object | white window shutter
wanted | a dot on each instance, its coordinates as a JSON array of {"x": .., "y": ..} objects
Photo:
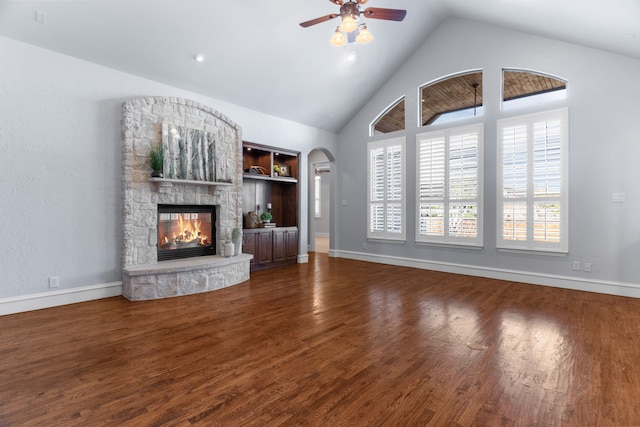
[
  {"x": 386, "y": 216},
  {"x": 533, "y": 172},
  {"x": 449, "y": 196}
]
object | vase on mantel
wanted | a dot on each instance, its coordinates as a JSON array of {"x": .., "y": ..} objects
[{"x": 228, "y": 249}]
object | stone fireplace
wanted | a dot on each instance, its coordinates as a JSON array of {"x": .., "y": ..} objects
[
  {"x": 186, "y": 231},
  {"x": 153, "y": 203}
]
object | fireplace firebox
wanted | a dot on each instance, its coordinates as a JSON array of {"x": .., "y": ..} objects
[{"x": 186, "y": 231}]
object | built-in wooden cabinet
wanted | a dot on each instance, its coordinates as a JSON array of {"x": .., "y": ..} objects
[
  {"x": 271, "y": 247},
  {"x": 270, "y": 183}
]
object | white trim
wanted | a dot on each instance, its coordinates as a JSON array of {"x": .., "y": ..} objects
[
  {"x": 56, "y": 298},
  {"x": 322, "y": 234},
  {"x": 303, "y": 259},
  {"x": 556, "y": 281}
]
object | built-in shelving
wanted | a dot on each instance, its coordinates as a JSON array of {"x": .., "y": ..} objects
[
  {"x": 267, "y": 187},
  {"x": 262, "y": 162}
]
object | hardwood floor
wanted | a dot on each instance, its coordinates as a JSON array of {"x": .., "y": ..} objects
[{"x": 330, "y": 343}]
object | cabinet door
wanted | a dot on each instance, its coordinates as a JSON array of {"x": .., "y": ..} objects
[
  {"x": 250, "y": 246},
  {"x": 292, "y": 246},
  {"x": 279, "y": 245},
  {"x": 264, "y": 248}
]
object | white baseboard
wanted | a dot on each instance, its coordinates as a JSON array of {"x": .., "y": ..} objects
[
  {"x": 303, "y": 259},
  {"x": 56, "y": 298},
  {"x": 580, "y": 284}
]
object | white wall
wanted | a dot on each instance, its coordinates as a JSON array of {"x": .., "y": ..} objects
[
  {"x": 603, "y": 90},
  {"x": 60, "y": 166}
]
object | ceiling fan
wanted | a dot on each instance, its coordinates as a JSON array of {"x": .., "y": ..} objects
[{"x": 350, "y": 12}]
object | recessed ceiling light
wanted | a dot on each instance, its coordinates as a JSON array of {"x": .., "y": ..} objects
[{"x": 198, "y": 57}]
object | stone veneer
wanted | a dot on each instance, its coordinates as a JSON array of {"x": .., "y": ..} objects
[{"x": 143, "y": 276}]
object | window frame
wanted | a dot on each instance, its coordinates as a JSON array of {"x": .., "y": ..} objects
[
  {"x": 379, "y": 117},
  {"x": 446, "y": 238},
  {"x": 385, "y": 234},
  {"x": 530, "y": 244},
  {"x": 478, "y": 109},
  {"x": 532, "y": 100}
]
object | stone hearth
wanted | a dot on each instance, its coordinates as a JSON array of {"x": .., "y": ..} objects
[{"x": 143, "y": 276}]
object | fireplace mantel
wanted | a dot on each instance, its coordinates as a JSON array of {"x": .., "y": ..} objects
[
  {"x": 143, "y": 121},
  {"x": 168, "y": 181}
]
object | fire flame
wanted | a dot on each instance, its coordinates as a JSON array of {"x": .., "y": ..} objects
[{"x": 184, "y": 233}]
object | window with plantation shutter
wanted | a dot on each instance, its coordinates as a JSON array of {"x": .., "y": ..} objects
[
  {"x": 449, "y": 202},
  {"x": 386, "y": 189},
  {"x": 316, "y": 196},
  {"x": 532, "y": 179}
]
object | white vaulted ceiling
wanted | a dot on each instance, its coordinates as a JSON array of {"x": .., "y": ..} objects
[{"x": 258, "y": 57}]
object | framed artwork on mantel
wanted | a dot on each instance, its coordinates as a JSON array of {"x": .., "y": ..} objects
[{"x": 191, "y": 154}]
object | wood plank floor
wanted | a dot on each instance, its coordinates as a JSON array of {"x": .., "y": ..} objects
[{"x": 331, "y": 343}]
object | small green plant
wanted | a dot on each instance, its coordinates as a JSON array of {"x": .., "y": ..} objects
[
  {"x": 276, "y": 168},
  {"x": 156, "y": 158},
  {"x": 266, "y": 216},
  {"x": 236, "y": 233}
]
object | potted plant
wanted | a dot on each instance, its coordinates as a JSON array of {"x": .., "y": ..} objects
[
  {"x": 276, "y": 170},
  {"x": 266, "y": 216},
  {"x": 156, "y": 160}
]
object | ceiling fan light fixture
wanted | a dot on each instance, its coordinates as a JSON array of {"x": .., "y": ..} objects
[
  {"x": 364, "y": 36},
  {"x": 348, "y": 24},
  {"x": 338, "y": 38}
]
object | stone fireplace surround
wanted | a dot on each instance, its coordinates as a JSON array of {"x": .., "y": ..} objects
[{"x": 143, "y": 276}]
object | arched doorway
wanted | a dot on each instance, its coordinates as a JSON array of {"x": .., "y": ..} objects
[{"x": 321, "y": 183}]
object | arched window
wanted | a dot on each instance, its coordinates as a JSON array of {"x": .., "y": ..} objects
[
  {"x": 520, "y": 88},
  {"x": 391, "y": 120},
  {"x": 451, "y": 98}
]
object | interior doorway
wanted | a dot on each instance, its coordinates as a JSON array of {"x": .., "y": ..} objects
[{"x": 320, "y": 178}]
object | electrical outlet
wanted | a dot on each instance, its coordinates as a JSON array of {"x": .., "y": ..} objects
[
  {"x": 576, "y": 265},
  {"x": 587, "y": 267},
  {"x": 54, "y": 281},
  {"x": 618, "y": 198},
  {"x": 364, "y": 245}
]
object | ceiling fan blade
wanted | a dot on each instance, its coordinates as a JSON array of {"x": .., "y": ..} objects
[
  {"x": 338, "y": 2},
  {"x": 382, "y": 13},
  {"x": 318, "y": 20}
]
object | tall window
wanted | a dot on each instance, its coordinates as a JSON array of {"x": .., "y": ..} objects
[
  {"x": 532, "y": 179},
  {"x": 449, "y": 167},
  {"x": 386, "y": 219},
  {"x": 316, "y": 196}
]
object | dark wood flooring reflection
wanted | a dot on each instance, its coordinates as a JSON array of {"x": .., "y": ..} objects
[{"x": 330, "y": 343}]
